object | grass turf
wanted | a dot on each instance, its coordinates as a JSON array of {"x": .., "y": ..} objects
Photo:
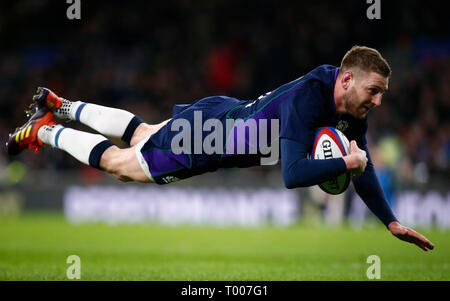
[{"x": 35, "y": 247}]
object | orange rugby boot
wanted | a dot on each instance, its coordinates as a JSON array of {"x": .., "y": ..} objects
[
  {"x": 46, "y": 98},
  {"x": 26, "y": 137}
]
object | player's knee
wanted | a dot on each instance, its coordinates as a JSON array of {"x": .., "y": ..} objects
[
  {"x": 113, "y": 161},
  {"x": 123, "y": 165},
  {"x": 143, "y": 131},
  {"x": 121, "y": 171}
]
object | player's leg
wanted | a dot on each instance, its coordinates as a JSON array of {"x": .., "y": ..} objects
[
  {"x": 145, "y": 130},
  {"x": 111, "y": 122},
  {"x": 95, "y": 150},
  {"x": 123, "y": 165},
  {"x": 91, "y": 149}
]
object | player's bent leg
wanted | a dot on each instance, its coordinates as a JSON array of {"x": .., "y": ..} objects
[
  {"x": 111, "y": 122},
  {"x": 145, "y": 130},
  {"x": 107, "y": 121},
  {"x": 123, "y": 165},
  {"x": 95, "y": 150},
  {"x": 90, "y": 149}
]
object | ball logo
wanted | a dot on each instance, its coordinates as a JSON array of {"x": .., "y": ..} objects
[{"x": 327, "y": 153}]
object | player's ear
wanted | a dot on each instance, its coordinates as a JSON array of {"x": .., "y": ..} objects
[{"x": 346, "y": 79}]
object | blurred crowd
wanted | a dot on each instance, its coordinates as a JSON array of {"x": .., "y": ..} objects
[{"x": 149, "y": 56}]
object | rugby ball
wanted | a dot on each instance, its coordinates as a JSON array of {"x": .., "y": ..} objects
[{"x": 331, "y": 143}]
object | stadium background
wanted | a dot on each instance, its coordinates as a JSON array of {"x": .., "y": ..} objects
[{"x": 146, "y": 57}]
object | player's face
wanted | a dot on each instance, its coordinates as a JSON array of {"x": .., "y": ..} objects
[{"x": 365, "y": 93}]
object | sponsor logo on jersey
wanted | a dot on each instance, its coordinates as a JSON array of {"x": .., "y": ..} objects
[{"x": 342, "y": 125}]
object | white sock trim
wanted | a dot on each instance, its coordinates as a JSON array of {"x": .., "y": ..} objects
[
  {"x": 48, "y": 133},
  {"x": 75, "y": 110}
]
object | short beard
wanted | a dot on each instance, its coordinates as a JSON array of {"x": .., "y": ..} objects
[{"x": 350, "y": 103}]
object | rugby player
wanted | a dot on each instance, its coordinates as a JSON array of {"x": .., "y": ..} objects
[{"x": 333, "y": 96}]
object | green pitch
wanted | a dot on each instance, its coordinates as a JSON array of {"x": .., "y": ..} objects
[{"x": 36, "y": 246}]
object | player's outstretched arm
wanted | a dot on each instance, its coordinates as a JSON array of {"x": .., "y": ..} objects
[
  {"x": 370, "y": 191},
  {"x": 409, "y": 235}
]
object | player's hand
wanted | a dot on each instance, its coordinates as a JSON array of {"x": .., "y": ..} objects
[
  {"x": 409, "y": 235},
  {"x": 356, "y": 161}
]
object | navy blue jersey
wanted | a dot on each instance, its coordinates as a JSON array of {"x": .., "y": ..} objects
[{"x": 300, "y": 106}]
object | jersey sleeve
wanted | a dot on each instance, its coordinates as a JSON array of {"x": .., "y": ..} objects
[
  {"x": 367, "y": 186},
  {"x": 301, "y": 114},
  {"x": 369, "y": 189},
  {"x": 299, "y": 171}
]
